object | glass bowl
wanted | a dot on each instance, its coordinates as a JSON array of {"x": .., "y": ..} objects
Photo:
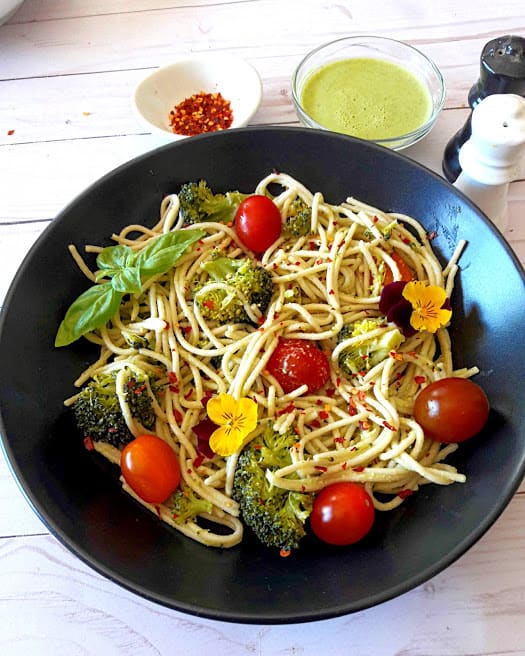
[{"x": 379, "y": 98}]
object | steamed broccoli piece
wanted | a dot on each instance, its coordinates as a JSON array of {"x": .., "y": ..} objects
[
  {"x": 276, "y": 516},
  {"x": 244, "y": 279},
  {"x": 370, "y": 351},
  {"x": 199, "y": 203},
  {"x": 97, "y": 409},
  {"x": 299, "y": 220},
  {"x": 185, "y": 505}
]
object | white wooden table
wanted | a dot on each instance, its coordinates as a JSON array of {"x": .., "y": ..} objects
[{"x": 67, "y": 70}]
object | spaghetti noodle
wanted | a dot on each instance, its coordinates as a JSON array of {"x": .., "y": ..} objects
[{"x": 356, "y": 428}]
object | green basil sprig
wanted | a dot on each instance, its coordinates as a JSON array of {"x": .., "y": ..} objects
[{"x": 126, "y": 270}]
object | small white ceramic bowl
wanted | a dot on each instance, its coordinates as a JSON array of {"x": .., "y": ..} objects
[
  {"x": 235, "y": 79},
  {"x": 8, "y": 8}
]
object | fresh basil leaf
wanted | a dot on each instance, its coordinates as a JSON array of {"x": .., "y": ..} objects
[
  {"x": 127, "y": 280},
  {"x": 92, "y": 309},
  {"x": 115, "y": 257},
  {"x": 164, "y": 251}
]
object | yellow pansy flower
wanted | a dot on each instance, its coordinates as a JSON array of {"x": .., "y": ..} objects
[
  {"x": 236, "y": 420},
  {"x": 427, "y": 304}
]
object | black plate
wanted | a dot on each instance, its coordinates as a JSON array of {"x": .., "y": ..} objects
[{"x": 79, "y": 498}]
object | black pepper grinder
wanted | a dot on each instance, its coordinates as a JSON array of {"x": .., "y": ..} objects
[{"x": 502, "y": 70}]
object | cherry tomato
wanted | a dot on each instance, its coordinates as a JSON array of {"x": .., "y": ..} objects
[
  {"x": 297, "y": 362},
  {"x": 451, "y": 409},
  {"x": 404, "y": 270},
  {"x": 342, "y": 513},
  {"x": 258, "y": 222},
  {"x": 151, "y": 468}
]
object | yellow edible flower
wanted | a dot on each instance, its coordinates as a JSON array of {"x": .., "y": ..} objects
[
  {"x": 236, "y": 420},
  {"x": 427, "y": 302}
]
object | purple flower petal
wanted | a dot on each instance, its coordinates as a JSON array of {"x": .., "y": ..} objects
[
  {"x": 400, "y": 314},
  {"x": 203, "y": 430},
  {"x": 390, "y": 295}
]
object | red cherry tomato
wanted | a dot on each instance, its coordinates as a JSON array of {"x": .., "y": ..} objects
[
  {"x": 258, "y": 223},
  {"x": 451, "y": 409},
  {"x": 151, "y": 468},
  {"x": 343, "y": 513},
  {"x": 404, "y": 270},
  {"x": 297, "y": 362}
]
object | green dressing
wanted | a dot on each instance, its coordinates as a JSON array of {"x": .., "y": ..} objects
[{"x": 368, "y": 98}]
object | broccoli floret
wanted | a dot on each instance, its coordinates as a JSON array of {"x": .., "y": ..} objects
[
  {"x": 276, "y": 516},
  {"x": 246, "y": 282},
  {"x": 199, "y": 203},
  {"x": 365, "y": 354},
  {"x": 185, "y": 505},
  {"x": 97, "y": 409},
  {"x": 299, "y": 219},
  {"x": 135, "y": 341}
]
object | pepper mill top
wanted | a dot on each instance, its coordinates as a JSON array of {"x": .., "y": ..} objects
[{"x": 502, "y": 70}]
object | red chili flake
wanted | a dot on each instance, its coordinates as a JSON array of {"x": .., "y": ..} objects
[
  {"x": 172, "y": 377},
  {"x": 358, "y": 469},
  {"x": 210, "y": 304},
  {"x": 330, "y": 393},
  {"x": 323, "y": 415},
  {"x": 178, "y": 416},
  {"x": 303, "y": 488},
  {"x": 261, "y": 320},
  {"x": 188, "y": 394},
  {"x": 284, "y": 553},
  {"x": 186, "y": 330},
  {"x": 257, "y": 446},
  {"x": 364, "y": 425},
  {"x": 412, "y": 354},
  {"x": 432, "y": 235},
  {"x": 361, "y": 396},
  {"x": 403, "y": 494},
  {"x": 10, "y": 132},
  {"x": 131, "y": 383},
  {"x": 315, "y": 424},
  {"x": 364, "y": 356},
  {"x": 312, "y": 245},
  {"x": 339, "y": 440},
  {"x": 319, "y": 261},
  {"x": 321, "y": 468},
  {"x": 331, "y": 292},
  {"x": 166, "y": 325},
  {"x": 319, "y": 402},
  {"x": 140, "y": 389},
  {"x": 289, "y": 408},
  {"x": 352, "y": 408},
  {"x": 201, "y": 112},
  {"x": 420, "y": 379},
  {"x": 375, "y": 219},
  {"x": 198, "y": 461},
  {"x": 88, "y": 443},
  {"x": 338, "y": 381},
  {"x": 406, "y": 240},
  {"x": 389, "y": 426},
  {"x": 174, "y": 389}
]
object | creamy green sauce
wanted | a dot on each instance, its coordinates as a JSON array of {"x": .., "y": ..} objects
[{"x": 368, "y": 98}]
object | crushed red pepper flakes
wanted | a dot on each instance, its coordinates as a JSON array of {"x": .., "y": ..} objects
[
  {"x": 284, "y": 553},
  {"x": 419, "y": 379},
  {"x": 88, "y": 443},
  {"x": 403, "y": 494},
  {"x": 201, "y": 112},
  {"x": 10, "y": 133},
  {"x": 389, "y": 426}
]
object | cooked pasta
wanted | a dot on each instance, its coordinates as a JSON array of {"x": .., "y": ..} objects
[{"x": 356, "y": 428}]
